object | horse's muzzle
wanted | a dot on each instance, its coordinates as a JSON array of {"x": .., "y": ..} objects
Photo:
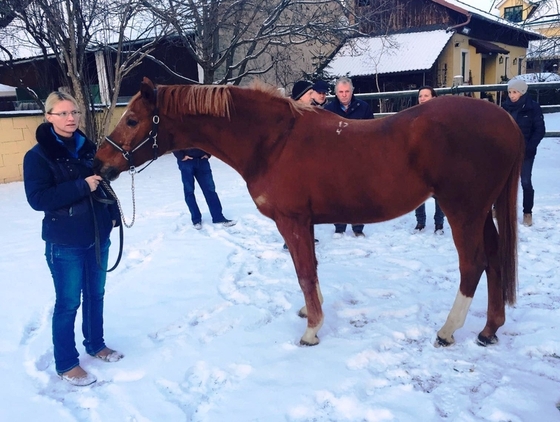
[{"x": 107, "y": 172}]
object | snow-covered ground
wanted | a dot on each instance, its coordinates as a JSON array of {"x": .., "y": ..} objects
[{"x": 208, "y": 319}]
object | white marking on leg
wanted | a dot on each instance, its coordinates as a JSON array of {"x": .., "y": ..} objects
[
  {"x": 310, "y": 336},
  {"x": 303, "y": 311},
  {"x": 456, "y": 317}
]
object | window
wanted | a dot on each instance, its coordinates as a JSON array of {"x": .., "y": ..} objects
[{"x": 513, "y": 14}]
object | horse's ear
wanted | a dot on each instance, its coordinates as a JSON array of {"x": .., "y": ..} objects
[{"x": 147, "y": 90}]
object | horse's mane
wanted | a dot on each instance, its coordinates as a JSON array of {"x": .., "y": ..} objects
[{"x": 213, "y": 100}]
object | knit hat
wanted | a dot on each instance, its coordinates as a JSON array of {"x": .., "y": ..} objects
[
  {"x": 518, "y": 85},
  {"x": 300, "y": 88},
  {"x": 321, "y": 86}
]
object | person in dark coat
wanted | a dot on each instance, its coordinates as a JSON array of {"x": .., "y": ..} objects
[
  {"x": 347, "y": 105},
  {"x": 59, "y": 180},
  {"x": 194, "y": 164},
  {"x": 302, "y": 92},
  {"x": 319, "y": 95},
  {"x": 529, "y": 117},
  {"x": 426, "y": 93}
]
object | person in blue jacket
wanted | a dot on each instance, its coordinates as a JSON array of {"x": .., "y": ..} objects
[
  {"x": 347, "y": 105},
  {"x": 59, "y": 180},
  {"x": 194, "y": 164},
  {"x": 529, "y": 117}
]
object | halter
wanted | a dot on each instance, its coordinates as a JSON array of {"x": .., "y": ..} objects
[{"x": 152, "y": 136}]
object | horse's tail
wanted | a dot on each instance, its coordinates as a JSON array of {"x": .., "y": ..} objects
[{"x": 506, "y": 214}]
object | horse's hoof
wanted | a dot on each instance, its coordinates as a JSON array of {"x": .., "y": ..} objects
[
  {"x": 486, "y": 341},
  {"x": 306, "y": 343},
  {"x": 441, "y": 342}
]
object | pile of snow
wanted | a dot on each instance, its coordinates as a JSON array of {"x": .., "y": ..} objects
[{"x": 538, "y": 77}]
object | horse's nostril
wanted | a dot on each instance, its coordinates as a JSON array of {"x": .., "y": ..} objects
[{"x": 112, "y": 174}]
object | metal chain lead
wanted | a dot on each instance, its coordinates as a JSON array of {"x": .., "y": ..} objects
[{"x": 109, "y": 189}]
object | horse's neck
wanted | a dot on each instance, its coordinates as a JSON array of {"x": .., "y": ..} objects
[{"x": 248, "y": 141}]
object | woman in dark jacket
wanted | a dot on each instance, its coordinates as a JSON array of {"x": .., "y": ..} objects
[
  {"x": 59, "y": 181},
  {"x": 425, "y": 94},
  {"x": 529, "y": 117}
]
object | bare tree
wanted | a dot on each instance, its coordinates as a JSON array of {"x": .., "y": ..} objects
[
  {"x": 237, "y": 39},
  {"x": 72, "y": 30}
]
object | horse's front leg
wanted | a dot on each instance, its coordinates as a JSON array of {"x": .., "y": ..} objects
[{"x": 299, "y": 238}]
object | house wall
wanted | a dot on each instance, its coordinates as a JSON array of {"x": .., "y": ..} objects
[
  {"x": 549, "y": 27},
  {"x": 18, "y": 137},
  {"x": 494, "y": 71},
  {"x": 527, "y": 7}
]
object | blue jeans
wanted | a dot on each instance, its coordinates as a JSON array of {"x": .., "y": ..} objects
[
  {"x": 421, "y": 214},
  {"x": 75, "y": 272},
  {"x": 527, "y": 185},
  {"x": 341, "y": 228},
  {"x": 199, "y": 169}
]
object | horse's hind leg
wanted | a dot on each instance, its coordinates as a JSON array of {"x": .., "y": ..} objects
[
  {"x": 303, "y": 311},
  {"x": 299, "y": 238},
  {"x": 472, "y": 261},
  {"x": 496, "y": 305}
]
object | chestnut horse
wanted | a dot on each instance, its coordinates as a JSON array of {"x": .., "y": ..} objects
[{"x": 306, "y": 166}]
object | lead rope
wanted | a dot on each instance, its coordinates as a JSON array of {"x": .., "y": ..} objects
[{"x": 110, "y": 190}]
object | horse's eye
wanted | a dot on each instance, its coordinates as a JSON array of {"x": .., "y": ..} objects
[{"x": 131, "y": 122}]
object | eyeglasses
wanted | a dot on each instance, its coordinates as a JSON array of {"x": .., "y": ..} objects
[{"x": 65, "y": 114}]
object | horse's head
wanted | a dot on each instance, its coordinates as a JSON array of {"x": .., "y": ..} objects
[{"x": 134, "y": 139}]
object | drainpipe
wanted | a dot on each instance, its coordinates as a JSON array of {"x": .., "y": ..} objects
[{"x": 451, "y": 28}]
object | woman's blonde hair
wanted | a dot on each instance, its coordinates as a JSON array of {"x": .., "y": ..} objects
[{"x": 56, "y": 97}]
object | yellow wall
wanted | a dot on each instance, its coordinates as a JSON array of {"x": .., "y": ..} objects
[
  {"x": 549, "y": 28},
  {"x": 527, "y": 7},
  {"x": 17, "y": 136}
]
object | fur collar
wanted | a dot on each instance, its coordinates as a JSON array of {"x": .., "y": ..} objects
[{"x": 54, "y": 149}]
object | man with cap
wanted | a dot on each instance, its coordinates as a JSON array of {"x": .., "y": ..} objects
[
  {"x": 320, "y": 91},
  {"x": 302, "y": 92},
  {"x": 529, "y": 117}
]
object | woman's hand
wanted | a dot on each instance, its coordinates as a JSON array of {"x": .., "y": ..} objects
[{"x": 93, "y": 181}]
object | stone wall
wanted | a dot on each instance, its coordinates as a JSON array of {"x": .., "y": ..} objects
[{"x": 17, "y": 136}]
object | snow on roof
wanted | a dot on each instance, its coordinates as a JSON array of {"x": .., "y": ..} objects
[
  {"x": 546, "y": 49},
  {"x": 545, "y": 13},
  {"x": 7, "y": 91},
  {"x": 538, "y": 77},
  {"x": 389, "y": 54}
]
